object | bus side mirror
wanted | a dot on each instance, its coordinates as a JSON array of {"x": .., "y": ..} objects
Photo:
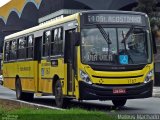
[
  {"x": 76, "y": 38},
  {"x": 154, "y": 44}
]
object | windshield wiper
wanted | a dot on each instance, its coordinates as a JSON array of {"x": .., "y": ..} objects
[
  {"x": 127, "y": 35},
  {"x": 105, "y": 36},
  {"x": 124, "y": 41}
]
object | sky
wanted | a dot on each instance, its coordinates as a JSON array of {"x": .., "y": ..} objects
[{"x": 3, "y": 2}]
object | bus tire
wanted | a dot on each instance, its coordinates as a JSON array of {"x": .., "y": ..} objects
[
  {"x": 119, "y": 103},
  {"x": 20, "y": 95},
  {"x": 18, "y": 87},
  {"x": 61, "y": 102}
]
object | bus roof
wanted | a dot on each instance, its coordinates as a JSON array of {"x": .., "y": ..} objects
[
  {"x": 66, "y": 19},
  {"x": 42, "y": 26}
]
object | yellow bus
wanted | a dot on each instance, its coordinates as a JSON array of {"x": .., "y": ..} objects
[{"x": 90, "y": 55}]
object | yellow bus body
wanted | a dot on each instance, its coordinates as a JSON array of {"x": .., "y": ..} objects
[{"x": 30, "y": 71}]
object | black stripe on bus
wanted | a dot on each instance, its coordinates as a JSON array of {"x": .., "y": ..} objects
[{"x": 117, "y": 77}]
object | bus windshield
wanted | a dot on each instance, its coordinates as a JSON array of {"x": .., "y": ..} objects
[{"x": 120, "y": 46}]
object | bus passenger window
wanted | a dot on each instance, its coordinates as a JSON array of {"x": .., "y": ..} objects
[
  {"x": 46, "y": 43},
  {"x": 6, "y": 56},
  {"x": 22, "y": 48},
  {"x": 57, "y": 42},
  {"x": 54, "y": 45},
  {"x": 30, "y": 46},
  {"x": 13, "y": 50},
  {"x": 60, "y": 44}
]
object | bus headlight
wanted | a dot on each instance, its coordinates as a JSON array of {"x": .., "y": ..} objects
[
  {"x": 149, "y": 76},
  {"x": 84, "y": 76}
]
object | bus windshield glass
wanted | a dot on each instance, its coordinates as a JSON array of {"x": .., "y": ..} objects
[{"x": 115, "y": 46}]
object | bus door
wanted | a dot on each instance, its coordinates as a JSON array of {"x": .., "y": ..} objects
[
  {"x": 37, "y": 57},
  {"x": 68, "y": 59}
]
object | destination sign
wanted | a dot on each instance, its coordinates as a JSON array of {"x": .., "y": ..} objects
[{"x": 113, "y": 18}]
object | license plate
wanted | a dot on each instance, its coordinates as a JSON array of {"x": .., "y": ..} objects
[{"x": 119, "y": 91}]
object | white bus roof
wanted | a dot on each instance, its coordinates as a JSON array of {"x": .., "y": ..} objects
[{"x": 42, "y": 26}]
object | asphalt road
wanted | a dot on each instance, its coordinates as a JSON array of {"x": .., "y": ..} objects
[{"x": 137, "y": 106}]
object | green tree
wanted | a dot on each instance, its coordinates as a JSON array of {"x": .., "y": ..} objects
[
  {"x": 149, "y": 7},
  {"x": 146, "y": 6}
]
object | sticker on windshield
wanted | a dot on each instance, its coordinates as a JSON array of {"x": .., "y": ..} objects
[{"x": 123, "y": 59}]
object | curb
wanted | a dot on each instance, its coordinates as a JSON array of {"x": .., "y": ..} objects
[{"x": 19, "y": 103}]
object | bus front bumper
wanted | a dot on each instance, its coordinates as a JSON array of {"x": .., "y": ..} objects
[{"x": 103, "y": 92}]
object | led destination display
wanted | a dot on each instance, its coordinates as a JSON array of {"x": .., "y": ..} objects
[{"x": 113, "y": 18}]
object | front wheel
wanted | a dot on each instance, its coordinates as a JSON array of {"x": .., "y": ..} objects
[
  {"x": 58, "y": 94},
  {"x": 119, "y": 103}
]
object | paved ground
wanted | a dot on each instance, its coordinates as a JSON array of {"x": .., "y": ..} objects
[
  {"x": 138, "y": 106},
  {"x": 5, "y": 93}
]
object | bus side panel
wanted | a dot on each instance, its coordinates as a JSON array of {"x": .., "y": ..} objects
[
  {"x": 9, "y": 73},
  {"x": 47, "y": 74},
  {"x": 26, "y": 71},
  {"x": 45, "y": 83},
  {"x": 9, "y": 83},
  {"x": 28, "y": 75},
  {"x": 36, "y": 75}
]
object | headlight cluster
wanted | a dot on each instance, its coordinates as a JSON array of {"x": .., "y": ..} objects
[
  {"x": 149, "y": 76},
  {"x": 84, "y": 76}
]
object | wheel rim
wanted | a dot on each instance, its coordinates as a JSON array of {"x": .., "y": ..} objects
[{"x": 58, "y": 94}]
